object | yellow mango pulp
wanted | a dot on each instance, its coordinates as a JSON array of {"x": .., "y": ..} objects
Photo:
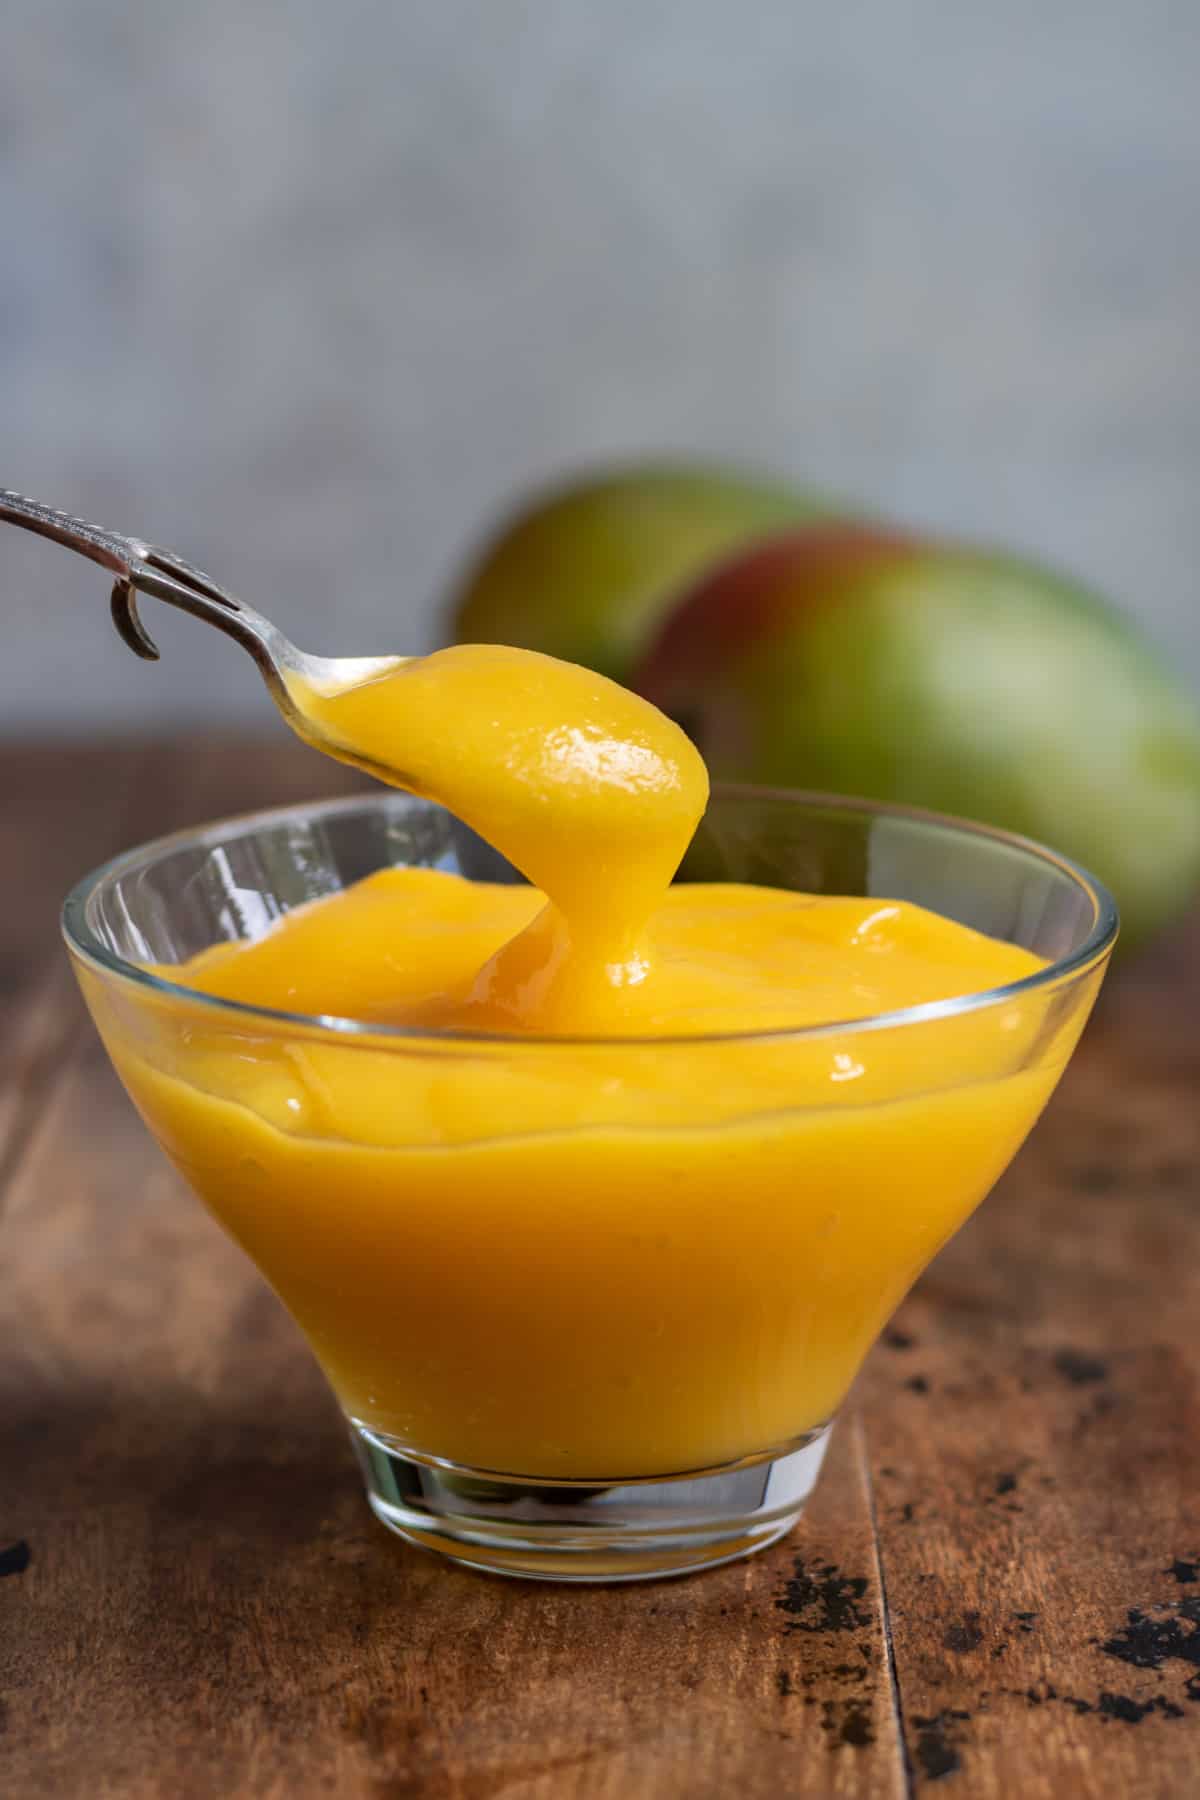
[
  {"x": 580, "y": 1221},
  {"x": 586, "y": 788}
]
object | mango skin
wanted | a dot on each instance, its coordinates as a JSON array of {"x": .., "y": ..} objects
[
  {"x": 586, "y": 571},
  {"x": 864, "y": 661}
]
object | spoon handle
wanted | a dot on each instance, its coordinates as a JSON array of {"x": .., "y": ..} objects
[
  {"x": 109, "y": 548},
  {"x": 140, "y": 567}
]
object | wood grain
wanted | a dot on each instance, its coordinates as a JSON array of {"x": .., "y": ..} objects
[
  {"x": 194, "y": 1600},
  {"x": 60, "y": 811},
  {"x": 1034, "y": 1424}
]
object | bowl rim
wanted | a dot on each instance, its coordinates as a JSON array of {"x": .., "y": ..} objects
[{"x": 83, "y": 944}]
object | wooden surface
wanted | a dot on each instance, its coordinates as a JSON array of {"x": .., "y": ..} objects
[{"x": 996, "y": 1592}]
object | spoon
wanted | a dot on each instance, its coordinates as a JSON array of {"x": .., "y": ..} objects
[{"x": 142, "y": 568}]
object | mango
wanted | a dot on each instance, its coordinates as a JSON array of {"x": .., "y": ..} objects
[
  {"x": 587, "y": 571},
  {"x": 860, "y": 660}
]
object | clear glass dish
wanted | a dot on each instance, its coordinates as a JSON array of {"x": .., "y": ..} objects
[{"x": 589, "y": 1306}]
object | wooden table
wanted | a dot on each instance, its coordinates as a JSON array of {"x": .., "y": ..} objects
[{"x": 996, "y": 1592}]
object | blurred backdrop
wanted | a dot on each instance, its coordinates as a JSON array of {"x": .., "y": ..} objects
[{"x": 309, "y": 291}]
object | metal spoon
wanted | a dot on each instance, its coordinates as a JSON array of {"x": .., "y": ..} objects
[{"x": 142, "y": 568}]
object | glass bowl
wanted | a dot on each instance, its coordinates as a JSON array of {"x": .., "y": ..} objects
[{"x": 589, "y": 1306}]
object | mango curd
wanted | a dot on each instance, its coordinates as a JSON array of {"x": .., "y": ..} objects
[{"x": 534, "y": 1236}]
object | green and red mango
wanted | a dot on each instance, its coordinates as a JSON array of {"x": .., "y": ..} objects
[{"x": 859, "y": 660}]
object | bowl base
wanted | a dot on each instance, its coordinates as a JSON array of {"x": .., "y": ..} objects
[{"x": 575, "y": 1531}]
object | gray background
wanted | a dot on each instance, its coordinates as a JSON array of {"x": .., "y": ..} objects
[{"x": 310, "y": 290}]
